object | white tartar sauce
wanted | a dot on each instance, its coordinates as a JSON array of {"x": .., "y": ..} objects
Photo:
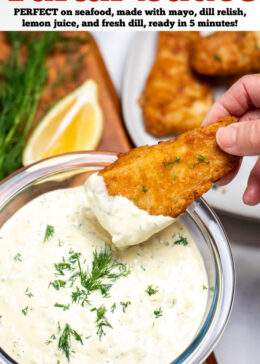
[
  {"x": 127, "y": 224},
  {"x": 67, "y": 293}
]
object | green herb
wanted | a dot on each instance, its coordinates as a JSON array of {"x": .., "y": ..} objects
[
  {"x": 181, "y": 241},
  {"x": 169, "y": 165},
  {"x": 25, "y": 310},
  {"x": 150, "y": 290},
  {"x": 28, "y": 293},
  {"x": 113, "y": 307},
  {"x": 158, "y": 313},
  {"x": 204, "y": 287},
  {"x": 175, "y": 176},
  {"x": 61, "y": 267},
  {"x": 143, "y": 268},
  {"x": 217, "y": 57},
  {"x": 189, "y": 166},
  {"x": 65, "y": 307},
  {"x": 103, "y": 267},
  {"x": 17, "y": 258},
  {"x": 22, "y": 83},
  {"x": 145, "y": 189},
  {"x": 49, "y": 232},
  {"x": 80, "y": 296},
  {"x": 57, "y": 284},
  {"x": 51, "y": 339},
  {"x": 65, "y": 340},
  {"x": 125, "y": 305},
  {"x": 202, "y": 159},
  {"x": 101, "y": 321},
  {"x": 214, "y": 186}
]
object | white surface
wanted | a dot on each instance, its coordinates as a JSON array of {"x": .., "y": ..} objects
[
  {"x": 240, "y": 343},
  {"x": 139, "y": 62}
]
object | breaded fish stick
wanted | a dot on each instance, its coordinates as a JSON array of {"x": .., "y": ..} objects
[
  {"x": 174, "y": 99},
  {"x": 165, "y": 179},
  {"x": 227, "y": 54}
]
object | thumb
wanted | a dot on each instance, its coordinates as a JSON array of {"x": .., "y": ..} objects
[{"x": 240, "y": 139}]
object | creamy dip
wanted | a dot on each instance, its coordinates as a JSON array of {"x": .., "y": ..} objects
[
  {"x": 145, "y": 309},
  {"x": 126, "y": 223}
]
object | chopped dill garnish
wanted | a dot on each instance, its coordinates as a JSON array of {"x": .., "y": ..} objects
[
  {"x": 28, "y": 293},
  {"x": 80, "y": 296},
  {"x": 51, "y": 339},
  {"x": 103, "y": 267},
  {"x": 101, "y": 321},
  {"x": 204, "y": 287},
  {"x": 214, "y": 186},
  {"x": 25, "y": 310},
  {"x": 158, "y": 313},
  {"x": 175, "y": 176},
  {"x": 181, "y": 241},
  {"x": 65, "y": 340},
  {"x": 125, "y": 305},
  {"x": 17, "y": 258},
  {"x": 57, "y": 284},
  {"x": 49, "y": 232},
  {"x": 143, "y": 268},
  {"x": 64, "y": 307},
  {"x": 169, "y": 165},
  {"x": 217, "y": 57},
  {"x": 113, "y": 307},
  {"x": 150, "y": 290},
  {"x": 202, "y": 159},
  {"x": 145, "y": 189}
]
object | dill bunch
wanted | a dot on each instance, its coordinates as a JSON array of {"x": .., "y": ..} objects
[{"x": 22, "y": 83}]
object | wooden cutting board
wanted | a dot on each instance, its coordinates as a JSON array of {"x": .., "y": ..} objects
[{"x": 115, "y": 138}]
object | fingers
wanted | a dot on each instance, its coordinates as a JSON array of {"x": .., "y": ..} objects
[
  {"x": 240, "y": 139},
  {"x": 251, "y": 115},
  {"x": 242, "y": 96},
  {"x": 252, "y": 193}
]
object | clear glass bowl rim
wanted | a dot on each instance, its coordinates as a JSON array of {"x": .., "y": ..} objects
[{"x": 217, "y": 319}]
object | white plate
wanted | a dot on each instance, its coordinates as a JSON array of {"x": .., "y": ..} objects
[{"x": 139, "y": 62}]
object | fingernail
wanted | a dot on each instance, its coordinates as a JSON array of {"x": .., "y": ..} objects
[{"x": 226, "y": 137}]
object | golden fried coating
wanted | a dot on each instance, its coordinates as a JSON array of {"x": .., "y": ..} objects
[
  {"x": 227, "y": 53},
  {"x": 174, "y": 99},
  {"x": 165, "y": 179}
]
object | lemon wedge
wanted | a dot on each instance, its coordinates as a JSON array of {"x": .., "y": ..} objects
[{"x": 74, "y": 124}]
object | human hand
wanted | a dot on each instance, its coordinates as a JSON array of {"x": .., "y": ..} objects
[{"x": 243, "y": 139}]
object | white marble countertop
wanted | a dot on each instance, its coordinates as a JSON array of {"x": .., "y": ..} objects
[{"x": 240, "y": 343}]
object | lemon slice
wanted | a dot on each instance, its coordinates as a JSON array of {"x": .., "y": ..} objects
[{"x": 73, "y": 124}]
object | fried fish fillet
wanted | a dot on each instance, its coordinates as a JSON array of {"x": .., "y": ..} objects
[
  {"x": 174, "y": 99},
  {"x": 227, "y": 53},
  {"x": 165, "y": 179}
]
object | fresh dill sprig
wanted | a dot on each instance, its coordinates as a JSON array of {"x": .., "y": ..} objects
[
  {"x": 65, "y": 340},
  {"x": 181, "y": 241},
  {"x": 158, "y": 313},
  {"x": 145, "y": 189},
  {"x": 51, "y": 339},
  {"x": 17, "y": 258},
  {"x": 57, "y": 284},
  {"x": 151, "y": 291},
  {"x": 101, "y": 321},
  {"x": 64, "y": 307},
  {"x": 22, "y": 83},
  {"x": 28, "y": 293},
  {"x": 80, "y": 296},
  {"x": 125, "y": 305},
  {"x": 25, "y": 311},
  {"x": 202, "y": 159},
  {"x": 49, "y": 232},
  {"x": 113, "y": 307}
]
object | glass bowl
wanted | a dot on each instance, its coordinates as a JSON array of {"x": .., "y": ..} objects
[{"x": 73, "y": 169}]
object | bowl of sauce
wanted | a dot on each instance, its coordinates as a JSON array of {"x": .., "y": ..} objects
[{"x": 68, "y": 294}]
